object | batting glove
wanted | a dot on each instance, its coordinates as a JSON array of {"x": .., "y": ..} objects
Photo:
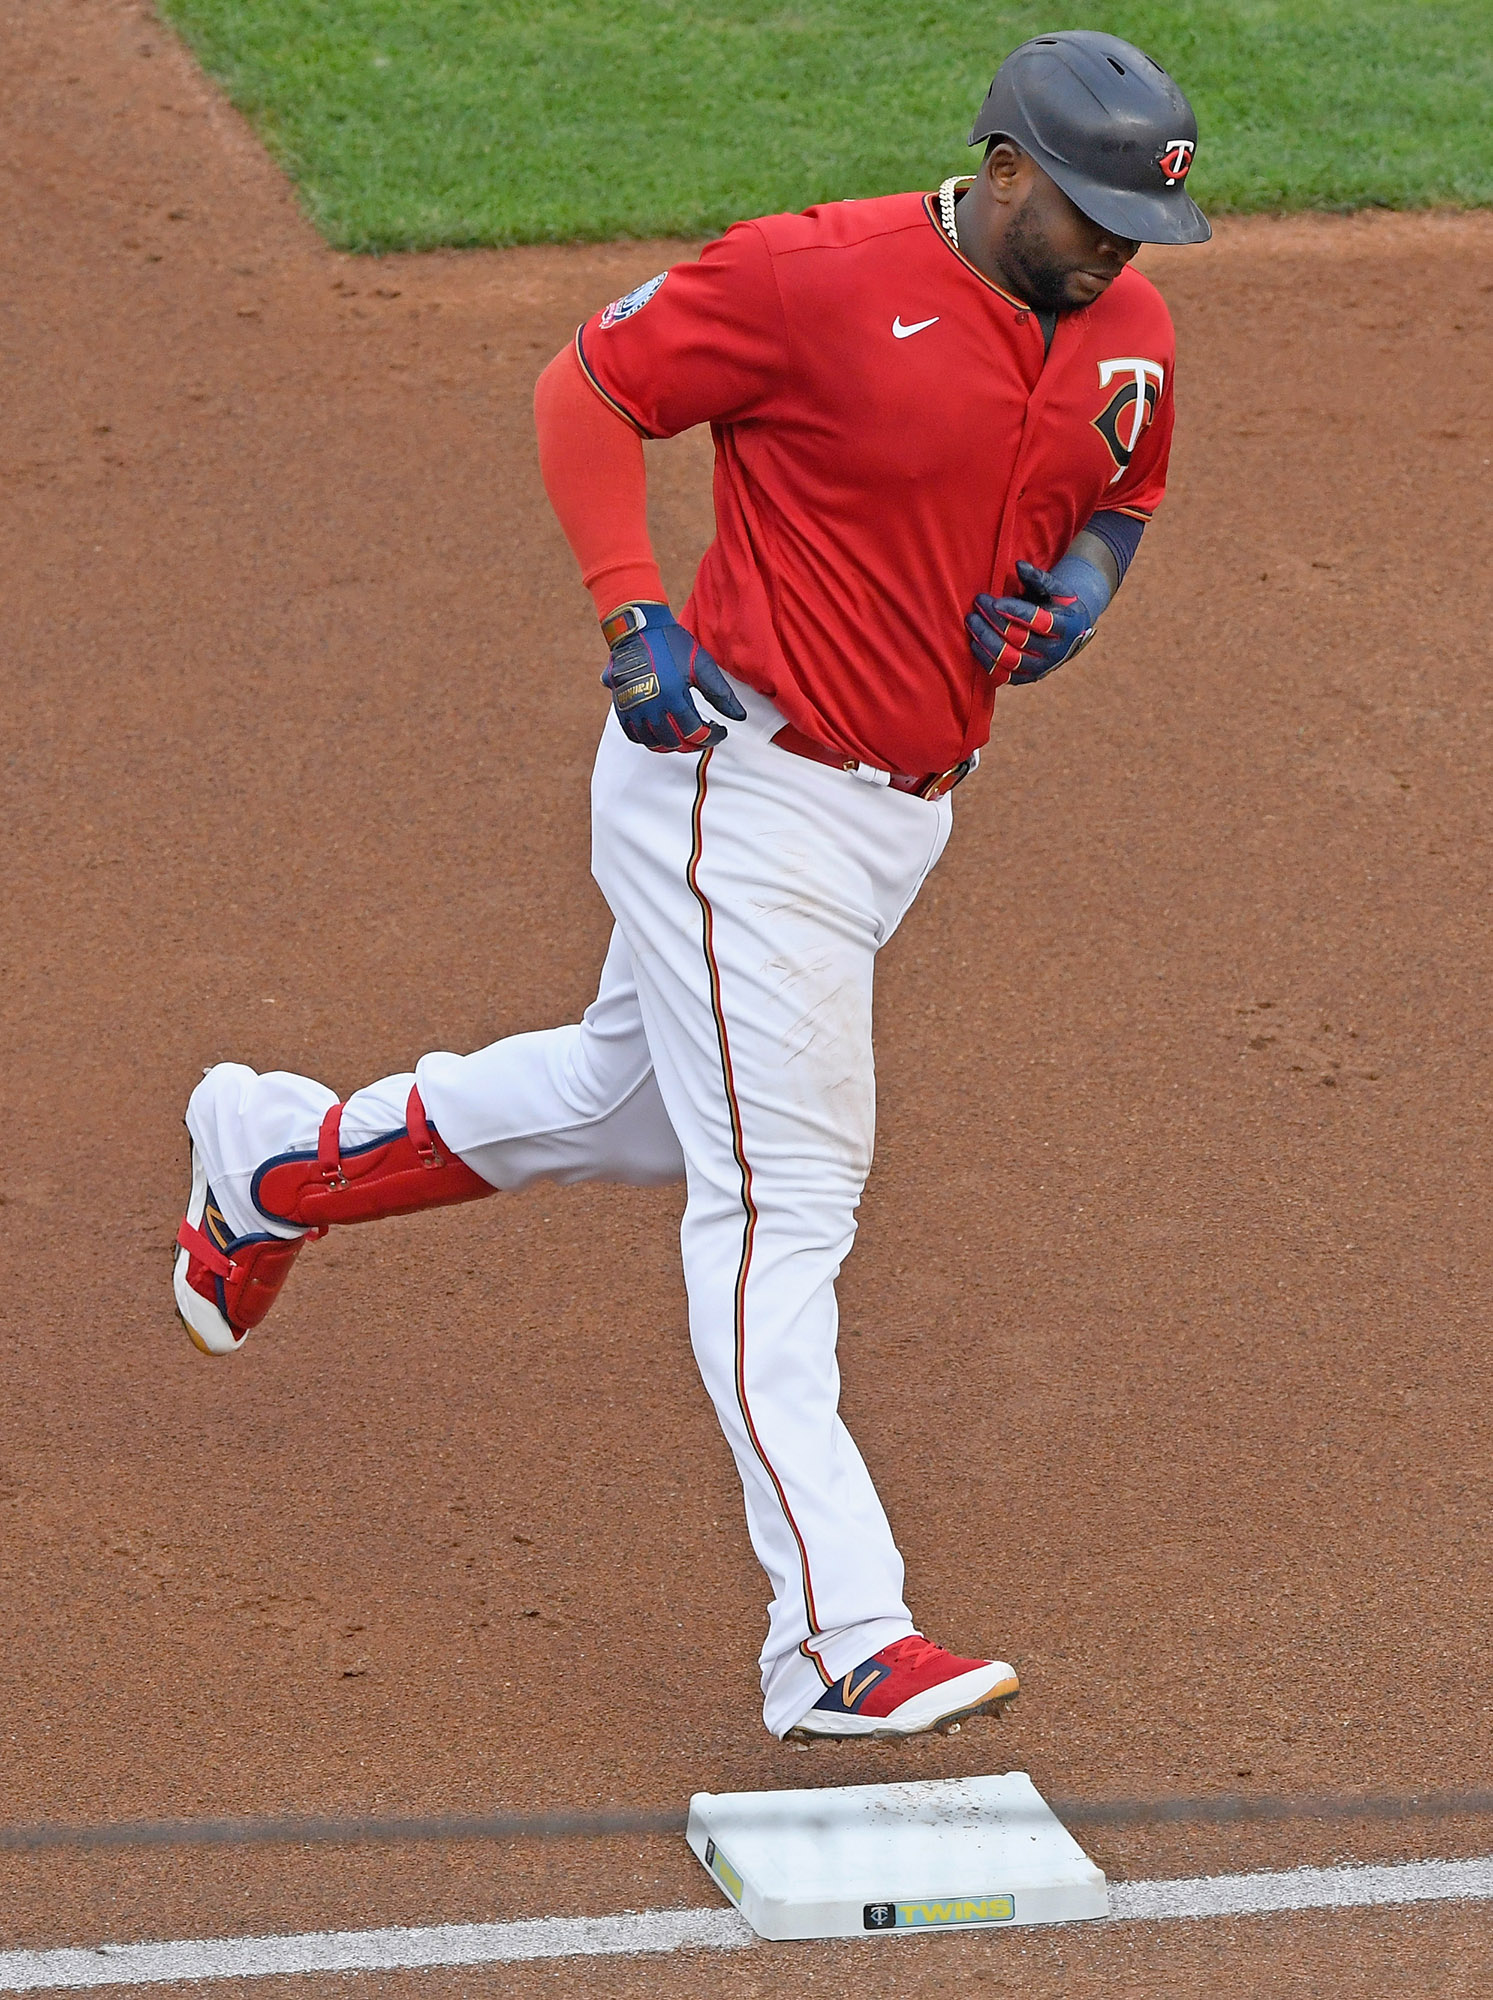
[
  {"x": 1022, "y": 638},
  {"x": 654, "y": 666}
]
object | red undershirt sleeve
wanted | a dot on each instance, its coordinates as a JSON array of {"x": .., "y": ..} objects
[{"x": 591, "y": 461}]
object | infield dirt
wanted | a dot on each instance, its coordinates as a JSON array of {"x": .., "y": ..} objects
[{"x": 1166, "y": 1336}]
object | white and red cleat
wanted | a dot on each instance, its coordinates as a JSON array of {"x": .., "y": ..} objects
[
  {"x": 905, "y": 1690},
  {"x": 224, "y": 1284}
]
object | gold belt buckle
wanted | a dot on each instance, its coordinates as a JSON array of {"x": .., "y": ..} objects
[{"x": 946, "y": 781}]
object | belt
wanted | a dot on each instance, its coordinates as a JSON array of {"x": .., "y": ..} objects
[{"x": 930, "y": 785}]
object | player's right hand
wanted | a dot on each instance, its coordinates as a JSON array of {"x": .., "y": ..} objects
[{"x": 655, "y": 665}]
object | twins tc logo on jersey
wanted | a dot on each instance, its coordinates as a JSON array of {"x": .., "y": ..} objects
[
  {"x": 1130, "y": 408},
  {"x": 1175, "y": 158},
  {"x": 631, "y": 302}
]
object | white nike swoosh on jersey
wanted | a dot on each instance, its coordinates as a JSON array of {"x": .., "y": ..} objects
[{"x": 917, "y": 326}]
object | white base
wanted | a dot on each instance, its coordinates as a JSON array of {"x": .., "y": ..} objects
[{"x": 855, "y": 1860}]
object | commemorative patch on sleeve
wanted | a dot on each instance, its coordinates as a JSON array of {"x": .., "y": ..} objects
[{"x": 631, "y": 302}]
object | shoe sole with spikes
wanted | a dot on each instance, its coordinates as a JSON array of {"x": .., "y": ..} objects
[{"x": 993, "y": 1701}]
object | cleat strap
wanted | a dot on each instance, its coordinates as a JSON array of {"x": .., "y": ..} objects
[
  {"x": 418, "y": 1127},
  {"x": 199, "y": 1245},
  {"x": 329, "y": 1149}
]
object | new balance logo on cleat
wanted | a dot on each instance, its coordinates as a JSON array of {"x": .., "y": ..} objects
[
  {"x": 847, "y": 1695},
  {"x": 857, "y": 1685}
]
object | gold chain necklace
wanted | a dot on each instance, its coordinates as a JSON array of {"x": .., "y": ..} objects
[{"x": 954, "y": 185}]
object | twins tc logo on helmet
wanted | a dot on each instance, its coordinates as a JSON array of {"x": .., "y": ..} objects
[
  {"x": 1130, "y": 408},
  {"x": 1175, "y": 158},
  {"x": 631, "y": 302}
]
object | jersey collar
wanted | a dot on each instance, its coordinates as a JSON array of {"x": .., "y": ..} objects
[{"x": 930, "y": 209}]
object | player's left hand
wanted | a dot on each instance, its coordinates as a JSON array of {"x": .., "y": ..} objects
[
  {"x": 1022, "y": 638},
  {"x": 655, "y": 669}
]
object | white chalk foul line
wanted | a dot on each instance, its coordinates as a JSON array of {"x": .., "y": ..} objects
[
  {"x": 634, "y": 1933},
  {"x": 371, "y": 1951},
  {"x": 1304, "y": 1889}
]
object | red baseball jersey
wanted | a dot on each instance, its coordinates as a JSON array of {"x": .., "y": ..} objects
[{"x": 889, "y": 439}]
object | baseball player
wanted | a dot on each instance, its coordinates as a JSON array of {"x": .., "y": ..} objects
[{"x": 941, "y": 423}]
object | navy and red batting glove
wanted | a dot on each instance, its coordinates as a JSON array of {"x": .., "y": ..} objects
[
  {"x": 1020, "y": 639},
  {"x": 655, "y": 666}
]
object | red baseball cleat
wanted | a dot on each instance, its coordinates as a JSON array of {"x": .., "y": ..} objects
[
  {"x": 224, "y": 1284},
  {"x": 905, "y": 1690}
]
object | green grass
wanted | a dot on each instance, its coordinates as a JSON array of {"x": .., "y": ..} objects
[{"x": 412, "y": 123}]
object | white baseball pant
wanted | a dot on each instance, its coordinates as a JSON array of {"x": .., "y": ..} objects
[{"x": 730, "y": 1041}]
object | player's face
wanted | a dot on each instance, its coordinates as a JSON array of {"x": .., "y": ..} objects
[{"x": 1059, "y": 259}]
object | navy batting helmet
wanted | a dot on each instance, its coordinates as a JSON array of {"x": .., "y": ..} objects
[{"x": 1110, "y": 127}]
